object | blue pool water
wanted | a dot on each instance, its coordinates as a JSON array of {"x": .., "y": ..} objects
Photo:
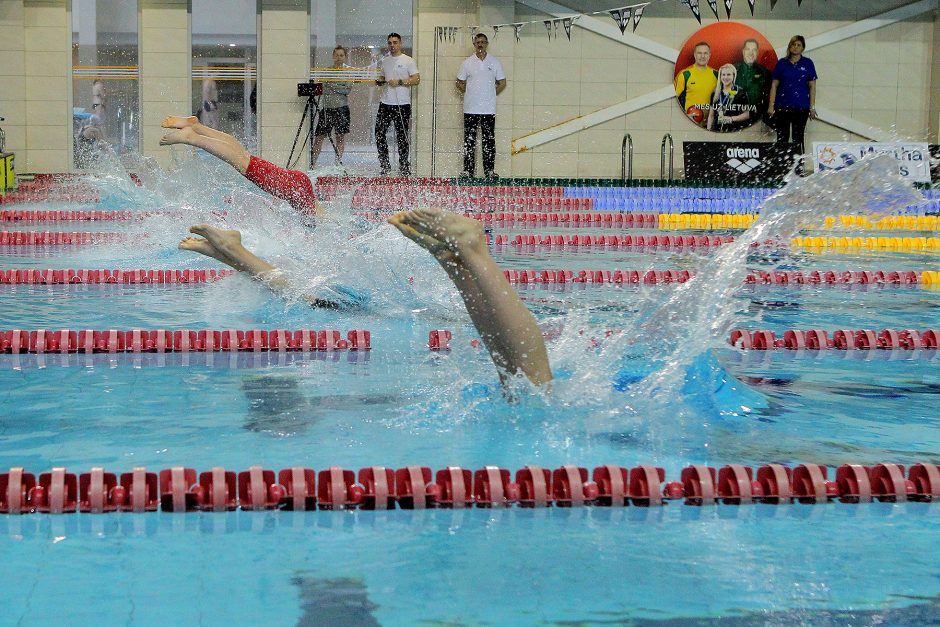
[{"x": 400, "y": 404}]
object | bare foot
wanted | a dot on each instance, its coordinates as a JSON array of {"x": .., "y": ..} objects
[
  {"x": 179, "y": 121},
  {"x": 184, "y": 135},
  {"x": 445, "y": 235},
  {"x": 223, "y": 245}
]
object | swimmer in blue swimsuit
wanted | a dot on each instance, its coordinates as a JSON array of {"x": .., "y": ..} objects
[{"x": 507, "y": 328}]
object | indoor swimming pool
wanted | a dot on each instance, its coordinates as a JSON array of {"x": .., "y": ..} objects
[{"x": 645, "y": 375}]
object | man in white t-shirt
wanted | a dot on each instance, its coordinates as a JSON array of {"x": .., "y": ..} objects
[
  {"x": 399, "y": 74},
  {"x": 480, "y": 79}
]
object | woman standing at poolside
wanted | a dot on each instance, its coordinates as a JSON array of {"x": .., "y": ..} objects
[
  {"x": 730, "y": 108},
  {"x": 334, "y": 116},
  {"x": 793, "y": 94}
]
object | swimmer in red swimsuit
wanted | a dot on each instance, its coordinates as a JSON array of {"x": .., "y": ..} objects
[
  {"x": 290, "y": 185},
  {"x": 506, "y": 326}
]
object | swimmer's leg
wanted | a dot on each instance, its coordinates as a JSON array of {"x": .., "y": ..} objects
[
  {"x": 507, "y": 327},
  {"x": 216, "y": 143},
  {"x": 226, "y": 246}
]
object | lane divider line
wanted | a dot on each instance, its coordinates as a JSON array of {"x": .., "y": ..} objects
[
  {"x": 842, "y": 339},
  {"x": 299, "y": 488}
]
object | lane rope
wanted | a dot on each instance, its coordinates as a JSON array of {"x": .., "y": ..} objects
[
  {"x": 841, "y": 339},
  {"x": 299, "y": 488}
]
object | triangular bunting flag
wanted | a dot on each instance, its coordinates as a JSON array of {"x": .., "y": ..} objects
[
  {"x": 751, "y": 4},
  {"x": 693, "y": 4},
  {"x": 517, "y": 28},
  {"x": 713, "y": 5},
  {"x": 637, "y": 14},
  {"x": 440, "y": 33},
  {"x": 622, "y": 17},
  {"x": 728, "y": 4},
  {"x": 548, "y": 27},
  {"x": 496, "y": 31},
  {"x": 773, "y": 3},
  {"x": 567, "y": 24},
  {"x": 799, "y": 2}
]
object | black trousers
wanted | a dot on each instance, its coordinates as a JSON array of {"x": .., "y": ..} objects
[
  {"x": 789, "y": 120},
  {"x": 400, "y": 116},
  {"x": 487, "y": 124}
]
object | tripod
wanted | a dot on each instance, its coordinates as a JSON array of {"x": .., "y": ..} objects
[{"x": 312, "y": 108}]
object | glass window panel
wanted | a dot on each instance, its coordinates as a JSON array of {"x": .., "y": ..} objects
[
  {"x": 225, "y": 65},
  {"x": 362, "y": 28},
  {"x": 104, "y": 78}
]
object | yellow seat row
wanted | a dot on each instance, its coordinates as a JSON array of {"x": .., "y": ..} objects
[{"x": 907, "y": 244}]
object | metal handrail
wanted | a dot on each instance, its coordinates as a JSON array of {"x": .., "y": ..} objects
[
  {"x": 662, "y": 157},
  {"x": 626, "y": 164}
]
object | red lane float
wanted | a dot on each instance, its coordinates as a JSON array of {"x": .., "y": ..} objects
[
  {"x": 38, "y": 215},
  {"x": 598, "y": 277},
  {"x": 57, "y": 238},
  {"x": 167, "y": 341},
  {"x": 615, "y": 241},
  {"x": 842, "y": 339},
  {"x": 181, "y": 489},
  {"x": 32, "y": 276}
]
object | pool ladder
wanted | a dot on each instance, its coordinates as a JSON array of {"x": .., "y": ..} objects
[
  {"x": 662, "y": 157},
  {"x": 626, "y": 158}
]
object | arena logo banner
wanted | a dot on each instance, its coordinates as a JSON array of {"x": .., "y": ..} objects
[
  {"x": 722, "y": 76},
  {"x": 737, "y": 161},
  {"x": 913, "y": 158}
]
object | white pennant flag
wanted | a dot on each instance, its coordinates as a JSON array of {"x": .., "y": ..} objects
[
  {"x": 567, "y": 22},
  {"x": 517, "y": 28},
  {"x": 693, "y": 4},
  {"x": 728, "y": 4},
  {"x": 496, "y": 31},
  {"x": 637, "y": 14},
  {"x": 548, "y": 27},
  {"x": 751, "y": 4}
]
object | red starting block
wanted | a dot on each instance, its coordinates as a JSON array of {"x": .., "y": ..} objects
[
  {"x": 15, "y": 489},
  {"x": 257, "y": 489},
  {"x": 96, "y": 491},
  {"x": 299, "y": 489}
]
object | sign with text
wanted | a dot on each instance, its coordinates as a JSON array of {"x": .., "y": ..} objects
[
  {"x": 913, "y": 158},
  {"x": 737, "y": 161}
]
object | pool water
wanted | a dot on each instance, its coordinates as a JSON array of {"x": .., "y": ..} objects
[{"x": 401, "y": 404}]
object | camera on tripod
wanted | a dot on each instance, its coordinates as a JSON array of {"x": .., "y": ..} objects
[{"x": 309, "y": 89}]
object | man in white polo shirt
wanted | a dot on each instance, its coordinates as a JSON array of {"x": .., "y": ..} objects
[
  {"x": 399, "y": 75},
  {"x": 480, "y": 79}
]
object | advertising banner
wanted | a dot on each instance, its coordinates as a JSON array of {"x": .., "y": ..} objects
[
  {"x": 913, "y": 158},
  {"x": 755, "y": 162}
]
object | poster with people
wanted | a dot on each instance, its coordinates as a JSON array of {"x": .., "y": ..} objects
[{"x": 722, "y": 76}]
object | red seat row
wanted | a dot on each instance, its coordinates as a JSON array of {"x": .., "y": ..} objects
[
  {"x": 165, "y": 341},
  {"x": 834, "y": 278},
  {"x": 57, "y": 238},
  {"x": 65, "y": 216},
  {"x": 650, "y": 277},
  {"x": 180, "y": 489},
  {"x": 670, "y": 241},
  {"x": 59, "y": 277},
  {"x": 842, "y": 339}
]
